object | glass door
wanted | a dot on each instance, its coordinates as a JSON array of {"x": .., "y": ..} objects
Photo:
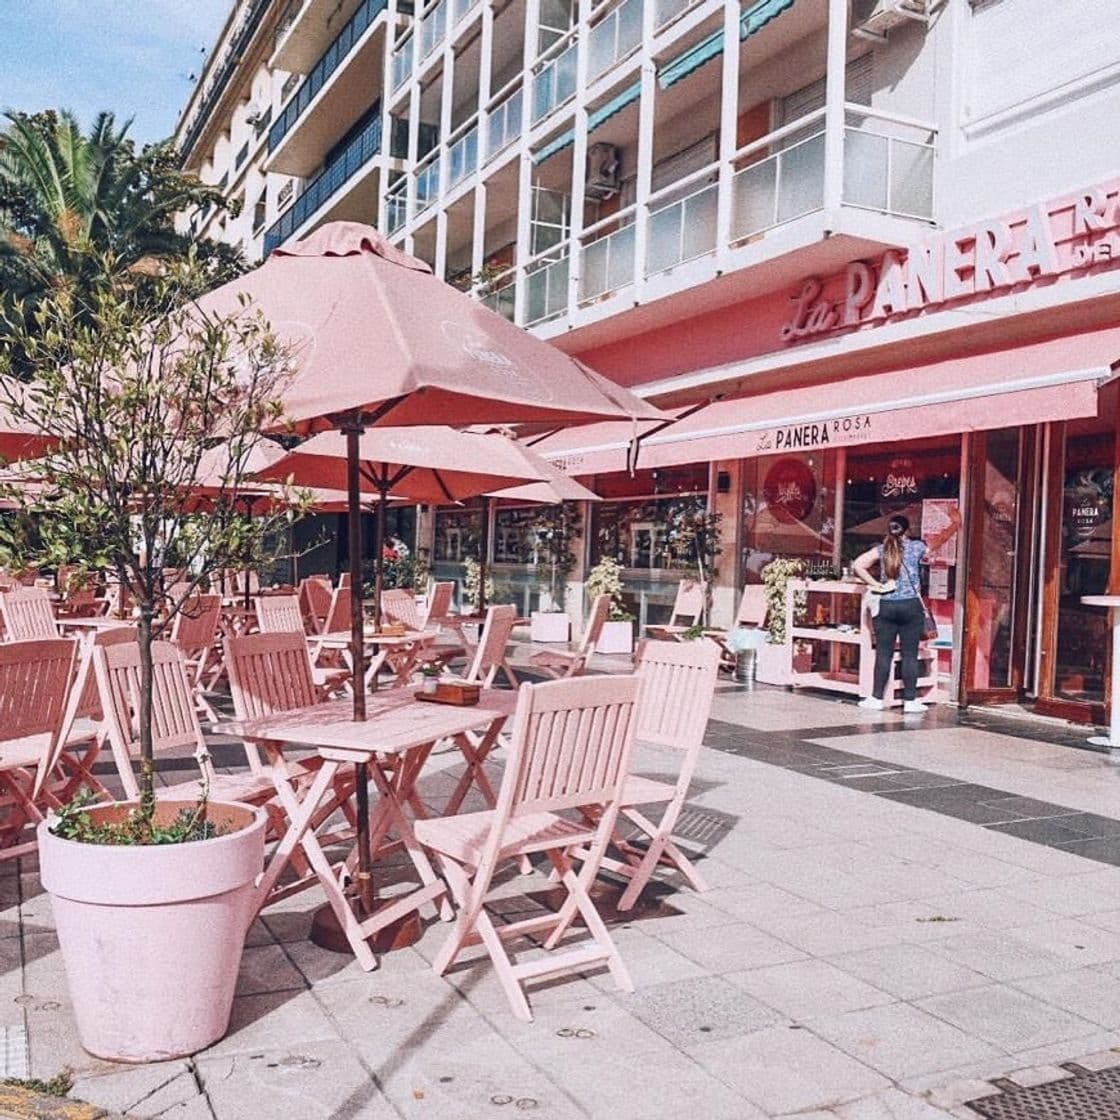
[{"x": 997, "y": 604}]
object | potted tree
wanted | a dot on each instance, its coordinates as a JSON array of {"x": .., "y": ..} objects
[
  {"x": 152, "y": 900},
  {"x": 618, "y": 631},
  {"x": 551, "y": 535},
  {"x": 693, "y": 538}
]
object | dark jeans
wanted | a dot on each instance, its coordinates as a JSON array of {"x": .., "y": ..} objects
[{"x": 904, "y": 620}]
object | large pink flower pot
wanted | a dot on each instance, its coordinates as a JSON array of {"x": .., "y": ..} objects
[{"x": 151, "y": 936}]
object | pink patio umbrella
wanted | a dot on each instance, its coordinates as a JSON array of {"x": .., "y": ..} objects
[
  {"x": 429, "y": 464},
  {"x": 377, "y": 340}
]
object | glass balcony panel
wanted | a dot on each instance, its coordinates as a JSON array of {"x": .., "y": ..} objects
[
  {"x": 547, "y": 291},
  {"x": 801, "y": 178},
  {"x": 665, "y": 10},
  {"x": 629, "y": 26},
  {"x": 754, "y": 198},
  {"x": 663, "y": 248},
  {"x": 698, "y": 223},
  {"x": 463, "y": 157},
  {"x": 432, "y": 29},
  {"x": 593, "y": 275},
  {"x": 911, "y": 179},
  {"x": 402, "y": 62},
  {"x": 396, "y": 212},
  {"x": 502, "y": 301},
  {"x": 620, "y": 267},
  {"x": 505, "y": 124},
  {"x": 555, "y": 83},
  {"x": 600, "y": 47},
  {"x": 865, "y": 169}
]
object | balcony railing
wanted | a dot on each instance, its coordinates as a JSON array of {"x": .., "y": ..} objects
[
  {"x": 459, "y": 8},
  {"x": 666, "y": 10},
  {"x": 554, "y": 82},
  {"x": 427, "y": 184},
  {"x": 501, "y": 298},
  {"x": 682, "y": 230},
  {"x": 778, "y": 188},
  {"x": 608, "y": 256},
  {"x": 505, "y": 124},
  {"x": 396, "y": 207},
  {"x": 433, "y": 27},
  {"x": 361, "y": 149},
  {"x": 887, "y": 172},
  {"x": 329, "y": 62},
  {"x": 614, "y": 37},
  {"x": 546, "y": 290},
  {"x": 462, "y": 156},
  {"x": 402, "y": 61}
]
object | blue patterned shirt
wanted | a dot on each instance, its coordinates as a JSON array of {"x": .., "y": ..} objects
[{"x": 909, "y": 582}]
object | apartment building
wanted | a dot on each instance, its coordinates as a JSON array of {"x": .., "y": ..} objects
[{"x": 866, "y": 248}]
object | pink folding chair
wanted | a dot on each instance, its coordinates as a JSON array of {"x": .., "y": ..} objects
[
  {"x": 688, "y": 609},
  {"x": 315, "y": 602},
  {"x": 279, "y": 614},
  {"x": 572, "y": 663},
  {"x": 436, "y": 618},
  {"x": 35, "y": 682},
  {"x": 490, "y": 656},
  {"x": 751, "y": 615},
  {"x": 194, "y": 630},
  {"x": 27, "y": 614},
  {"x": 571, "y": 744},
  {"x": 399, "y": 605},
  {"x": 84, "y": 731},
  {"x": 175, "y": 727},
  {"x": 678, "y": 684}
]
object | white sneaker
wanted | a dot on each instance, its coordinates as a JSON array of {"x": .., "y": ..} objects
[
  {"x": 871, "y": 703},
  {"x": 914, "y": 707}
]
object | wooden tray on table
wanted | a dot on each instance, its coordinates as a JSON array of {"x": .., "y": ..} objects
[{"x": 458, "y": 693}]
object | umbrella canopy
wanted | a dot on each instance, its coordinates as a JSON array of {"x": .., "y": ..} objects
[
  {"x": 429, "y": 464},
  {"x": 555, "y": 486},
  {"x": 19, "y": 439},
  {"x": 376, "y": 338}
]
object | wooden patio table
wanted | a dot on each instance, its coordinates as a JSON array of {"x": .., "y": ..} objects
[
  {"x": 399, "y": 651},
  {"x": 393, "y": 744}
]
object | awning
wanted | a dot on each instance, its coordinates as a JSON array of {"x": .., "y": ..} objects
[
  {"x": 594, "y": 119},
  {"x": 753, "y": 19},
  {"x": 1054, "y": 380}
]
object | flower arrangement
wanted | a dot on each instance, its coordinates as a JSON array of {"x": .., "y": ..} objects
[
  {"x": 775, "y": 576},
  {"x": 471, "y": 576},
  {"x": 551, "y": 534},
  {"x": 606, "y": 579}
]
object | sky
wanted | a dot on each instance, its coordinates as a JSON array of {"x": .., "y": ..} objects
[{"x": 137, "y": 58}]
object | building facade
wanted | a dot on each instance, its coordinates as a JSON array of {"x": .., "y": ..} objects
[{"x": 865, "y": 249}]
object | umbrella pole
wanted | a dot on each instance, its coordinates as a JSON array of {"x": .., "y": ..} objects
[
  {"x": 357, "y": 657},
  {"x": 484, "y": 553},
  {"x": 379, "y": 544}
]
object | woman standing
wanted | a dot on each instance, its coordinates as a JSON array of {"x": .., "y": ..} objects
[{"x": 901, "y": 615}]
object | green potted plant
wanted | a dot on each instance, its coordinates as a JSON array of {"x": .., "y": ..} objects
[
  {"x": 774, "y": 660},
  {"x": 152, "y": 900},
  {"x": 605, "y": 578},
  {"x": 693, "y": 538},
  {"x": 472, "y": 575}
]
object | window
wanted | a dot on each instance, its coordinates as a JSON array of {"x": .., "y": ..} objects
[
  {"x": 259, "y": 210},
  {"x": 808, "y": 99}
]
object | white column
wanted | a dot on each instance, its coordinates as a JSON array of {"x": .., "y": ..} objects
[
  {"x": 523, "y": 249},
  {"x": 647, "y": 106},
  {"x": 728, "y": 124},
  {"x": 383, "y": 157},
  {"x": 579, "y": 161},
  {"x": 413, "y": 150},
  {"x": 834, "y": 94}
]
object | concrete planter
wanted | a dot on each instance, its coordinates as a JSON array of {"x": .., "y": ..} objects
[
  {"x": 774, "y": 664},
  {"x": 549, "y": 626},
  {"x": 151, "y": 936},
  {"x": 616, "y": 637}
]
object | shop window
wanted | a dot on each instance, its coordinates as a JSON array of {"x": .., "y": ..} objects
[
  {"x": 1083, "y": 643},
  {"x": 789, "y": 509},
  {"x": 458, "y": 535}
]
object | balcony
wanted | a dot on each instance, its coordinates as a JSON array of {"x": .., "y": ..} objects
[
  {"x": 462, "y": 156},
  {"x": 403, "y": 58},
  {"x": 427, "y": 182},
  {"x": 433, "y": 27},
  {"x": 344, "y": 166},
  {"x": 546, "y": 288},
  {"x": 333, "y": 57},
  {"x": 614, "y": 37},
  {"x": 555, "y": 81},
  {"x": 505, "y": 124}
]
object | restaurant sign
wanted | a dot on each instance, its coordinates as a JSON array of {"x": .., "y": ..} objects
[
  {"x": 840, "y": 430},
  {"x": 1044, "y": 240}
]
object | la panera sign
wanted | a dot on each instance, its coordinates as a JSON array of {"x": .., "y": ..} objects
[{"x": 1045, "y": 240}]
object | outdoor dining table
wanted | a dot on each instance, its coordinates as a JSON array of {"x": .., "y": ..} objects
[
  {"x": 88, "y": 628},
  {"x": 393, "y": 744},
  {"x": 400, "y": 652}
]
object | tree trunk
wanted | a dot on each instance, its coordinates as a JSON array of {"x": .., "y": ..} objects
[{"x": 147, "y": 763}]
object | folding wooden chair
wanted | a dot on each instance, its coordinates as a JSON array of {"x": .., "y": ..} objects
[
  {"x": 281, "y": 614},
  {"x": 84, "y": 730},
  {"x": 572, "y": 663},
  {"x": 194, "y": 630},
  {"x": 27, "y": 614},
  {"x": 678, "y": 683},
  {"x": 399, "y": 605},
  {"x": 35, "y": 682},
  {"x": 439, "y": 608},
  {"x": 751, "y": 615},
  {"x": 688, "y": 609},
  {"x": 175, "y": 726},
  {"x": 570, "y": 748},
  {"x": 269, "y": 673},
  {"x": 315, "y": 602}
]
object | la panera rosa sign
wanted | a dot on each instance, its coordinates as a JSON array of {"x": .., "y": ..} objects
[{"x": 1045, "y": 240}]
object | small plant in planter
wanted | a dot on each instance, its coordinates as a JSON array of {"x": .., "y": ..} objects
[
  {"x": 147, "y": 401},
  {"x": 430, "y": 674},
  {"x": 605, "y": 578}
]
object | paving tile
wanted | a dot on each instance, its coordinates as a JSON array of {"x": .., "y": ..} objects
[
  {"x": 1104, "y": 851},
  {"x": 1052, "y": 831},
  {"x": 1000, "y": 956},
  {"x": 272, "y": 1021},
  {"x": 1072, "y": 939},
  {"x": 123, "y": 1089},
  {"x": 808, "y": 989},
  {"x": 1090, "y": 993},
  {"x": 900, "y": 1040},
  {"x": 1010, "y": 1019},
  {"x": 729, "y": 948},
  {"x": 266, "y": 968},
  {"x": 909, "y": 971},
  {"x": 704, "y": 1009},
  {"x": 785, "y": 1070},
  {"x": 826, "y": 935},
  {"x": 890, "y": 1105}
]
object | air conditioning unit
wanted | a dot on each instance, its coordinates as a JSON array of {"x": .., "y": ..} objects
[
  {"x": 256, "y": 111},
  {"x": 873, "y": 19},
  {"x": 604, "y": 172}
]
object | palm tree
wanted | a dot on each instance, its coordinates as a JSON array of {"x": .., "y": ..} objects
[{"x": 69, "y": 202}]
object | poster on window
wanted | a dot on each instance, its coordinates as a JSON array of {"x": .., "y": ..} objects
[{"x": 935, "y": 520}]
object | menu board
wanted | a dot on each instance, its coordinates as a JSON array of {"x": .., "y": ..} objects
[{"x": 935, "y": 520}]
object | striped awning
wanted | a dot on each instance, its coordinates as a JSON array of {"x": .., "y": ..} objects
[{"x": 594, "y": 119}]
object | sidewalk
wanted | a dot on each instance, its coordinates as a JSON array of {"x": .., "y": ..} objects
[{"x": 900, "y": 912}]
